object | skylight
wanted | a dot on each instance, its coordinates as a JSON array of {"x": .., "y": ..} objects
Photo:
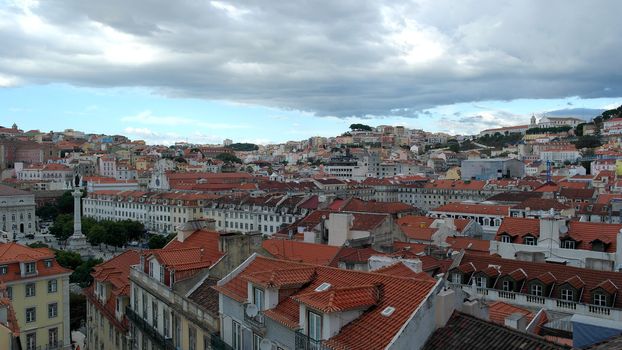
[
  {"x": 322, "y": 287},
  {"x": 388, "y": 311}
]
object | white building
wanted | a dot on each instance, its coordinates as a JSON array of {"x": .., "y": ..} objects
[
  {"x": 160, "y": 212},
  {"x": 265, "y": 214},
  {"x": 553, "y": 239},
  {"x": 552, "y": 122},
  {"x": 17, "y": 211},
  {"x": 48, "y": 176}
]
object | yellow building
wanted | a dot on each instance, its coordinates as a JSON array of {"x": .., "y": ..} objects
[{"x": 38, "y": 289}]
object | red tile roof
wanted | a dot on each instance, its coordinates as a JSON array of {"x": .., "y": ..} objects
[
  {"x": 349, "y": 289},
  {"x": 357, "y": 205},
  {"x": 473, "y": 185},
  {"x": 11, "y": 254},
  {"x": 499, "y": 311},
  {"x": 554, "y": 274},
  {"x": 340, "y": 299},
  {"x": 313, "y": 253},
  {"x": 464, "y": 208},
  {"x": 519, "y": 227},
  {"x": 473, "y": 245},
  {"x": 401, "y": 270}
]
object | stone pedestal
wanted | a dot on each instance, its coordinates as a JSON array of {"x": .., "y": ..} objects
[{"x": 77, "y": 242}]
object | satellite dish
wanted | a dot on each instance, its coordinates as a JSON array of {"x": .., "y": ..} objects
[
  {"x": 251, "y": 310},
  {"x": 265, "y": 344},
  {"x": 563, "y": 230}
]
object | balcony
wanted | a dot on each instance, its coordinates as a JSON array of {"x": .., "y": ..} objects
[
  {"x": 217, "y": 343},
  {"x": 257, "y": 322},
  {"x": 146, "y": 328},
  {"x": 551, "y": 304},
  {"x": 54, "y": 346},
  {"x": 303, "y": 342}
]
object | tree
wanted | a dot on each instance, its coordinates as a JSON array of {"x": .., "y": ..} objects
[
  {"x": 588, "y": 141},
  {"x": 360, "y": 127},
  {"x": 228, "y": 158},
  {"x": 243, "y": 147},
  {"x": 82, "y": 274},
  {"x": 47, "y": 212},
  {"x": 77, "y": 310},
  {"x": 68, "y": 259},
  {"x": 157, "y": 241},
  {"x": 62, "y": 227},
  {"x": 97, "y": 234}
]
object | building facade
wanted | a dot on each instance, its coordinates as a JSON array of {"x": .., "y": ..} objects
[
  {"x": 17, "y": 212},
  {"x": 38, "y": 289}
]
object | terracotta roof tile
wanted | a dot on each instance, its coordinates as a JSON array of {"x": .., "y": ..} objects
[
  {"x": 341, "y": 298},
  {"x": 499, "y": 311},
  {"x": 285, "y": 278},
  {"x": 464, "y": 208},
  {"x": 313, "y": 253}
]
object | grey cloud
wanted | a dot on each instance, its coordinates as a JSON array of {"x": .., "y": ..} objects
[{"x": 331, "y": 58}]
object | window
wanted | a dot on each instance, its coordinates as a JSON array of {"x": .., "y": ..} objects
[
  {"x": 237, "y": 336},
  {"x": 47, "y": 263},
  {"x": 53, "y": 338},
  {"x": 151, "y": 268},
  {"x": 30, "y": 268},
  {"x": 192, "y": 338},
  {"x": 506, "y": 239},
  {"x": 31, "y": 341},
  {"x": 9, "y": 292},
  {"x": 31, "y": 314},
  {"x": 52, "y": 286},
  {"x": 52, "y": 310},
  {"x": 144, "y": 306},
  {"x": 165, "y": 321},
  {"x": 154, "y": 314},
  {"x": 600, "y": 299},
  {"x": 536, "y": 290},
  {"x": 456, "y": 278},
  {"x": 257, "y": 341},
  {"x": 258, "y": 298},
  {"x": 135, "y": 299},
  {"x": 315, "y": 325},
  {"x": 4, "y": 269},
  {"x": 161, "y": 274},
  {"x": 30, "y": 290},
  {"x": 530, "y": 240},
  {"x": 480, "y": 281},
  {"x": 507, "y": 286},
  {"x": 567, "y": 294},
  {"x": 568, "y": 244}
]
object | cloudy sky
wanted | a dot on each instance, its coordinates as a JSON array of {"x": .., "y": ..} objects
[{"x": 269, "y": 71}]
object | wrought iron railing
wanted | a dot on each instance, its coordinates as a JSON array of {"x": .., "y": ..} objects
[
  {"x": 304, "y": 342},
  {"x": 158, "y": 339}
]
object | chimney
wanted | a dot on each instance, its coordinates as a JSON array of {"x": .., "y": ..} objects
[
  {"x": 445, "y": 305},
  {"x": 550, "y": 228},
  {"x": 516, "y": 321}
]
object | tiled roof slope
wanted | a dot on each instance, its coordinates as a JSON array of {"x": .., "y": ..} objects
[
  {"x": 547, "y": 273},
  {"x": 206, "y": 296},
  {"x": 312, "y": 253},
  {"x": 583, "y": 232},
  {"x": 371, "y": 330},
  {"x": 465, "y": 332}
]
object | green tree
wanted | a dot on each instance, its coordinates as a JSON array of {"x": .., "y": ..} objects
[
  {"x": 360, "y": 127},
  {"x": 158, "y": 241},
  {"x": 97, "y": 234},
  {"x": 68, "y": 259},
  {"x": 62, "y": 227},
  {"x": 588, "y": 141},
  {"x": 228, "y": 158},
  {"x": 48, "y": 211},
  {"x": 77, "y": 310},
  {"x": 82, "y": 273},
  {"x": 243, "y": 147}
]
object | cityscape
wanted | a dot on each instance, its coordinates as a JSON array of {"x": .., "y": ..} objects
[{"x": 343, "y": 176}]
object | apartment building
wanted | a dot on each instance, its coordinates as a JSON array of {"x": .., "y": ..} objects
[
  {"x": 160, "y": 212},
  {"x": 172, "y": 304},
  {"x": 38, "y": 290},
  {"x": 556, "y": 239},
  {"x": 268, "y": 303},
  {"x": 440, "y": 192},
  {"x": 44, "y": 177},
  {"x": 17, "y": 211},
  {"x": 489, "y": 216},
  {"x": 265, "y": 214},
  {"x": 107, "y": 299}
]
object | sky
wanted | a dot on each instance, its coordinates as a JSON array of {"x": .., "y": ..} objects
[{"x": 271, "y": 71}]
